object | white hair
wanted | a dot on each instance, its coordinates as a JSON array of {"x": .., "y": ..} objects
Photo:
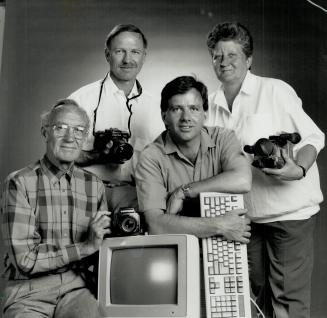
[{"x": 47, "y": 117}]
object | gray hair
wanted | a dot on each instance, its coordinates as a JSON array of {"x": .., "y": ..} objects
[
  {"x": 234, "y": 31},
  {"x": 47, "y": 117}
]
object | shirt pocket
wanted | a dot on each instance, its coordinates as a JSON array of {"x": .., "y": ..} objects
[{"x": 85, "y": 208}]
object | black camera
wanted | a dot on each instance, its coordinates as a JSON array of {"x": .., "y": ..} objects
[
  {"x": 120, "y": 151},
  {"x": 127, "y": 222},
  {"x": 267, "y": 152}
]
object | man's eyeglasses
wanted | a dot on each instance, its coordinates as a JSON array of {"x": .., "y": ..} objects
[{"x": 60, "y": 130}]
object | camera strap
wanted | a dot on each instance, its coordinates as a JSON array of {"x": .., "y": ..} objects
[
  {"x": 97, "y": 106},
  {"x": 129, "y": 107}
]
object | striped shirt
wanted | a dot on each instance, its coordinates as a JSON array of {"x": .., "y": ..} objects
[{"x": 46, "y": 213}]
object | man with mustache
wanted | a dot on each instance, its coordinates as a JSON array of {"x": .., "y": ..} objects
[{"x": 118, "y": 101}]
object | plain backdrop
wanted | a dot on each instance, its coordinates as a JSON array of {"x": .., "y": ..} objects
[{"x": 53, "y": 47}]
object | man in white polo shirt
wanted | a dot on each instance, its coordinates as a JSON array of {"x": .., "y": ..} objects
[{"x": 118, "y": 101}]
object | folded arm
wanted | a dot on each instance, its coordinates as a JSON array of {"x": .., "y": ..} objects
[
  {"x": 232, "y": 225},
  {"x": 161, "y": 208}
]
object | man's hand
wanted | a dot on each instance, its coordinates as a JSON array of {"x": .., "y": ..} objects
[
  {"x": 99, "y": 227},
  {"x": 234, "y": 226},
  {"x": 175, "y": 201},
  {"x": 109, "y": 145},
  {"x": 289, "y": 172}
]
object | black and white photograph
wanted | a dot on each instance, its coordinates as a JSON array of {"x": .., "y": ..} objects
[{"x": 163, "y": 159}]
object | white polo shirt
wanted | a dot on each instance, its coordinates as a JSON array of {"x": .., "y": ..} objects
[
  {"x": 264, "y": 107},
  {"x": 146, "y": 123}
]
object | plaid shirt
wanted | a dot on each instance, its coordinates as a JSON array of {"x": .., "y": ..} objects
[{"x": 46, "y": 214}]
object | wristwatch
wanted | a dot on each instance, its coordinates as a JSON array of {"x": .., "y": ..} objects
[
  {"x": 303, "y": 170},
  {"x": 186, "y": 191}
]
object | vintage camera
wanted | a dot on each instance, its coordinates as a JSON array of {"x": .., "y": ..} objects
[
  {"x": 120, "y": 151},
  {"x": 127, "y": 222},
  {"x": 267, "y": 152}
]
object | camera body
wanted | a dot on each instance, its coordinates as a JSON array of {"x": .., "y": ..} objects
[
  {"x": 127, "y": 222},
  {"x": 120, "y": 151},
  {"x": 267, "y": 152}
]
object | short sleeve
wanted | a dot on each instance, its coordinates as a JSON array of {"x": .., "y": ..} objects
[{"x": 150, "y": 184}]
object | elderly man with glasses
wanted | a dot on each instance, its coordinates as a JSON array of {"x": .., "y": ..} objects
[{"x": 54, "y": 215}]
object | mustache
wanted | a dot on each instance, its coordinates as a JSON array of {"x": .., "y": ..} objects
[{"x": 129, "y": 64}]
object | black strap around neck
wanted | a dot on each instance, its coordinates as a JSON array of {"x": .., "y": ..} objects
[{"x": 129, "y": 107}]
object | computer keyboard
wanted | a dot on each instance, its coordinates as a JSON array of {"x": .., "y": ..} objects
[{"x": 225, "y": 266}]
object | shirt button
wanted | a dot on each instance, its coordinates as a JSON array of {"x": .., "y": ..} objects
[{"x": 65, "y": 212}]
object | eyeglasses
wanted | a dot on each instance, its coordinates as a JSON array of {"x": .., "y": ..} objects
[{"x": 60, "y": 130}]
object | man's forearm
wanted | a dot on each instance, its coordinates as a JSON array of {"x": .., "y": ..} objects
[
  {"x": 87, "y": 158},
  {"x": 43, "y": 257},
  {"x": 232, "y": 226},
  {"x": 172, "y": 224},
  {"x": 227, "y": 182}
]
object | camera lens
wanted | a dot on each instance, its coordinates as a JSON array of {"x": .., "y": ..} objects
[
  {"x": 128, "y": 224},
  {"x": 123, "y": 151},
  {"x": 264, "y": 147}
]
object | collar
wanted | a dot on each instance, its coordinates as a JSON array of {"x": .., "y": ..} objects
[
  {"x": 247, "y": 88},
  {"x": 170, "y": 146},
  {"x": 248, "y": 85},
  {"x": 112, "y": 87},
  {"x": 53, "y": 172}
]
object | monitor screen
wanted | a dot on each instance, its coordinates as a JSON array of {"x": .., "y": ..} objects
[
  {"x": 149, "y": 276},
  {"x": 156, "y": 277}
]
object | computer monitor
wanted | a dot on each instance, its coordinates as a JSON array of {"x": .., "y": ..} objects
[{"x": 150, "y": 276}]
